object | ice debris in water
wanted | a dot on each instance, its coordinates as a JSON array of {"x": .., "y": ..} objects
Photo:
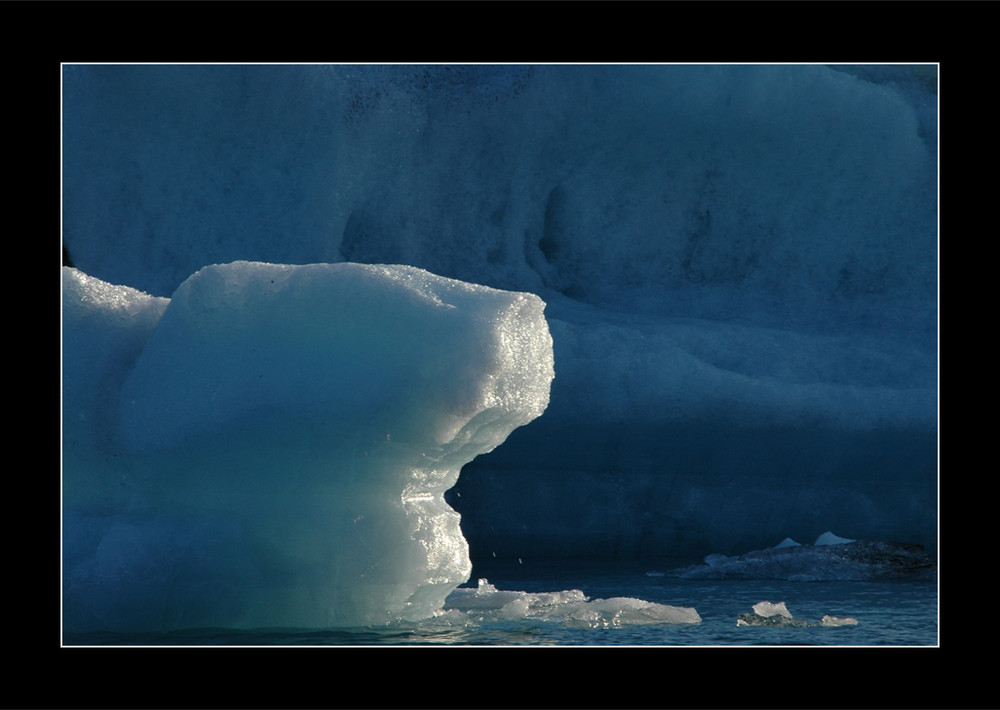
[
  {"x": 776, "y": 614},
  {"x": 569, "y": 607},
  {"x": 787, "y": 542},
  {"x": 770, "y": 609}
]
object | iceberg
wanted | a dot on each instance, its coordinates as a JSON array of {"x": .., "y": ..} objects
[
  {"x": 271, "y": 445},
  {"x": 739, "y": 265},
  {"x": 772, "y": 609}
]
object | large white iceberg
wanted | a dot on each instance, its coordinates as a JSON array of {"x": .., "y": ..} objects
[{"x": 271, "y": 445}]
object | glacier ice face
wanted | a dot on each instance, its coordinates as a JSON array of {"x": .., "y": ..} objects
[{"x": 271, "y": 445}]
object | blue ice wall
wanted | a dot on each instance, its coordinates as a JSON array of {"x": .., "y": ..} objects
[{"x": 739, "y": 262}]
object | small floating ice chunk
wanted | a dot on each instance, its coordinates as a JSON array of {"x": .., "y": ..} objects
[
  {"x": 828, "y": 538},
  {"x": 626, "y": 611},
  {"x": 772, "y": 609},
  {"x": 571, "y": 607},
  {"x": 770, "y": 614},
  {"x": 777, "y": 614}
]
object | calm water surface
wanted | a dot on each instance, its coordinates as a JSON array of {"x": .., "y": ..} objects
[{"x": 888, "y": 614}]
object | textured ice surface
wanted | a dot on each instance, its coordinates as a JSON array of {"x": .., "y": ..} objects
[
  {"x": 271, "y": 446},
  {"x": 739, "y": 265}
]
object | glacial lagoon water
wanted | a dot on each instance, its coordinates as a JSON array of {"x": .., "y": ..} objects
[{"x": 889, "y": 614}]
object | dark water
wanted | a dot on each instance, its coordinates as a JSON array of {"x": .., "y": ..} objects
[{"x": 888, "y": 613}]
